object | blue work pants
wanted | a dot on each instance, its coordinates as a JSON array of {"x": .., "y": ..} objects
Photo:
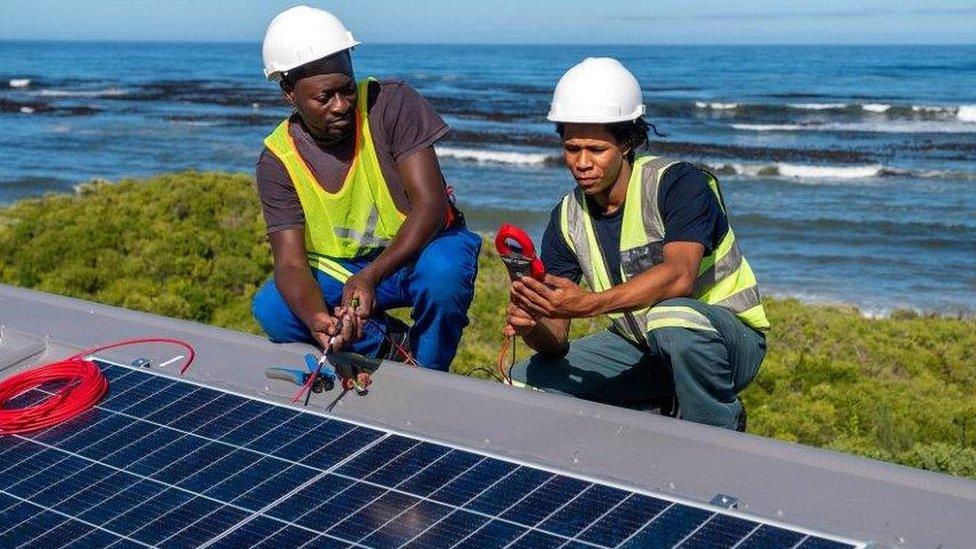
[{"x": 438, "y": 286}]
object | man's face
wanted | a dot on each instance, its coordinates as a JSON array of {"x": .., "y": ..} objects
[
  {"x": 327, "y": 105},
  {"x": 593, "y": 156}
]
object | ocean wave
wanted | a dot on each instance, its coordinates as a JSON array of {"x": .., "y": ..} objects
[
  {"x": 817, "y": 106},
  {"x": 931, "y": 109},
  {"x": 482, "y": 156},
  {"x": 802, "y": 171},
  {"x": 108, "y": 92},
  {"x": 876, "y": 107},
  {"x": 890, "y": 126},
  {"x": 966, "y": 113},
  {"x": 716, "y": 106},
  {"x": 19, "y": 82},
  {"x": 788, "y": 170}
]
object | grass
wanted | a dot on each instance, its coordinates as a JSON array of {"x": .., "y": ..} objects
[{"x": 192, "y": 245}]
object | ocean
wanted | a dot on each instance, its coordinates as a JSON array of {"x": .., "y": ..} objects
[{"x": 849, "y": 171}]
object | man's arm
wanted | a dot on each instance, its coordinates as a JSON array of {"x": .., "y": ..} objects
[
  {"x": 300, "y": 291},
  {"x": 424, "y": 185},
  {"x": 562, "y": 298},
  {"x": 547, "y": 336}
]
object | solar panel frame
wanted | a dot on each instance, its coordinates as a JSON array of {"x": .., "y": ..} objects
[{"x": 498, "y": 509}]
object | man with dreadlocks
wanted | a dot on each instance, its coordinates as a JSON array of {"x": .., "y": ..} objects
[
  {"x": 651, "y": 237},
  {"x": 357, "y": 210}
]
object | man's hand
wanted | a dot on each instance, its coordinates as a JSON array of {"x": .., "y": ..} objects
[
  {"x": 350, "y": 323},
  {"x": 323, "y": 328},
  {"x": 361, "y": 289},
  {"x": 555, "y": 297},
  {"x": 518, "y": 322}
]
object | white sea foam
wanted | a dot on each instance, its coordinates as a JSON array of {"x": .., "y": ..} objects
[
  {"x": 801, "y": 171},
  {"x": 828, "y": 172},
  {"x": 966, "y": 113},
  {"x": 876, "y": 107},
  {"x": 890, "y": 126},
  {"x": 494, "y": 157},
  {"x": 109, "y": 92},
  {"x": 775, "y": 127},
  {"x": 931, "y": 109},
  {"x": 817, "y": 106},
  {"x": 716, "y": 106},
  {"x": 19, "y": 82}
]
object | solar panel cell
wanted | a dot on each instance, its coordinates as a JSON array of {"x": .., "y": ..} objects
[
  {"x": 407, "y": 525},
  {"x": 373, "y": 515},
  {"x": 218, "y": 471},
  {"x": 509, "y": 491},
  {"x": 670, "y": 527},
  {"x": 341, "y": 505},
  {"x": 169, "y": 464},
  {"x": 584, "y": 510},
  {"x": 172, "y": 520},
  {"x": 341, "y": 447},
  {"x": 720, "y": 531},
  {"x": 99, "y": 491},
  {"x": 272, "y": 487},
  {"x": 136, "y": 517},
  {"x": 623, "y": 520},
  {"x": 114, "y": 505},
  {"x": 448, "y": 531},
  {"x": 407, "y": 464},
  {"x": 534, "y": 539},
  {"x": 205, "y": 527},
  {"x": 495, "y": 533},
  {"x": 485, "y": 474},
  {"x": 448, "y": 467},
  {"x": 256, "y": 531},
  {"x": 545, "y": 500}
]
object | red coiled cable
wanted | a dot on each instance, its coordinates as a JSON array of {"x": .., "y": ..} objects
[{"x": 82, "y": 387}]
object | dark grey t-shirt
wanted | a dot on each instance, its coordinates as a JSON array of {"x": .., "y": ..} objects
[{"x": 402, "y": 123}]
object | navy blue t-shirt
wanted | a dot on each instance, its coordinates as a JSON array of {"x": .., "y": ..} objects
[{"x": 690, "y": 210}]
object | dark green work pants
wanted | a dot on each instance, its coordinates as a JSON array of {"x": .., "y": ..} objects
[{"x": 705, "y": 366}]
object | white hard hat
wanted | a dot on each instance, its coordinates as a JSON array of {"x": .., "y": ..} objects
[
  {"x": 598, "y": 90},
  {"x": 300, "y": 35}
]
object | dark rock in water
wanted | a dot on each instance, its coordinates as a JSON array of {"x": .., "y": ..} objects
[
  {"x": 203, "y": 92},
  {"x": 526, "y": 139},
  {"x": 7, "y": 105},
  {"x": 35, "y": 107},
  {"x": 249, "y": 119}
]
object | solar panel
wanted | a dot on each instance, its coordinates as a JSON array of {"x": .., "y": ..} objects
[{"x": 163, "y": 462}]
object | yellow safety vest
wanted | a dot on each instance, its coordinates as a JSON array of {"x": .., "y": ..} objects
[
  {"x": 360, "y": 217},
  {"x": 724, "y": 279}
]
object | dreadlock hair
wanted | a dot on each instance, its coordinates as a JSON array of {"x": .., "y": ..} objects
[{"x": 629, "y": 134}]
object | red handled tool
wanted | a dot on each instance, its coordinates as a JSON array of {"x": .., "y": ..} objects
[{"x": 517, "y": 251}]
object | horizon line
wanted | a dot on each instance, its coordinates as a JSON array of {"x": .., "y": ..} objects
[{"x": 520, "y": 44}]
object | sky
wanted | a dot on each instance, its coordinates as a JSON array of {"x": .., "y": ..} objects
[{"x": 509, "y": 21}]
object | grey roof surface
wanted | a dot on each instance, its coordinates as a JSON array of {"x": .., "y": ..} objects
[{"x": 781, "y": 482}]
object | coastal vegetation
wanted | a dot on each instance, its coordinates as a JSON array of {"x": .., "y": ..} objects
[{"x": 192, "y": 245}]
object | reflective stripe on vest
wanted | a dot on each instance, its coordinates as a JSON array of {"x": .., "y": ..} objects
[
  {"x": 724, "y": 278},
  {"x": 360, "y": 217}
]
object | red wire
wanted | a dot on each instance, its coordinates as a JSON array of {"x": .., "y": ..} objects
[
  {"x": 501, "y": 359},
  {"x": 82, "y": 386}
]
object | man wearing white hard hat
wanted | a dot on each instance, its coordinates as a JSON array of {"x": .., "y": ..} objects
[
  {"x": 358, "y": 214},
  {"x": 651, "y": 237}
]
